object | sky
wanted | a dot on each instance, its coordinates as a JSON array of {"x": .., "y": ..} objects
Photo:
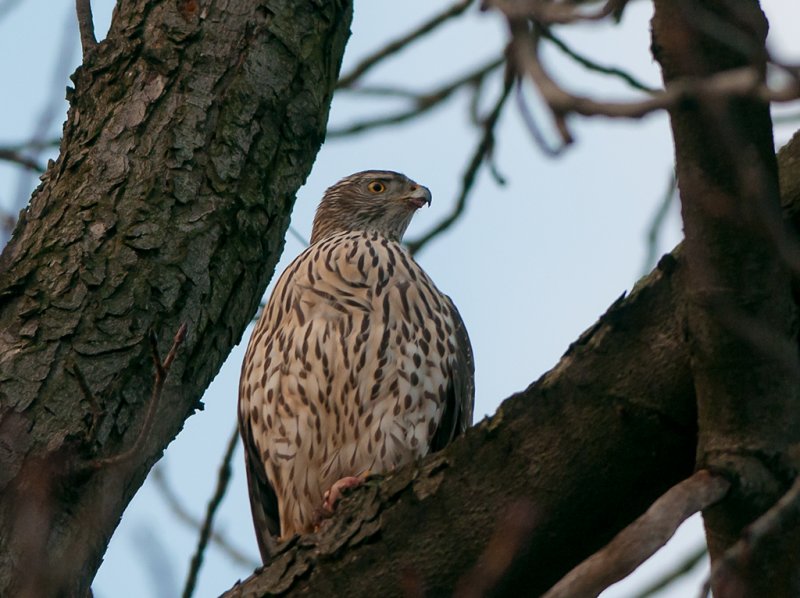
[{"x": 531, "y": 264}]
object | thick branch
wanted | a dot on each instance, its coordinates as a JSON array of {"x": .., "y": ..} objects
[
  {"x": 642, "y": 538},
  {"x": 589, "y": 446}
]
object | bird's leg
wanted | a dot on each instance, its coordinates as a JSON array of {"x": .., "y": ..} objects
[{"x": 331, "y": 497}]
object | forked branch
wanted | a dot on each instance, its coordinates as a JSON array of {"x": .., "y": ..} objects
[{"x": 162, "y": 370}]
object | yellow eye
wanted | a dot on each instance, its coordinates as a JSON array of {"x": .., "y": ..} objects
[{"x": 376, "y": 187}]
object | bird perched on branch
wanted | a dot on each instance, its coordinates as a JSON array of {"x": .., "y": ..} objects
[{"x": 358, "y": 364}]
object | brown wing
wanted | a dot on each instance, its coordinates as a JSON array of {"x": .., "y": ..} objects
[
  {"x": 263, "y": 500},
  {"x": 460, "y": 398}
]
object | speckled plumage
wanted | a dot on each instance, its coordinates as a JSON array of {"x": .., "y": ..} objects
[{"x": 358, "y": 363}]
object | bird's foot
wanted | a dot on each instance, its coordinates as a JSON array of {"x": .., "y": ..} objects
[{"x": 331, "y": 498}]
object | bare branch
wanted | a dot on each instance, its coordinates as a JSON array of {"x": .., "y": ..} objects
[
  {"x": 422, "y": 102},
  {"x": 400, "y": 43},
  {"x": 591, "y": 65},
  {"x": 642, "y": 538},
  {"x": 552, "y": 13},
  {"x": 7, "y": 223},
  {"x": 83, "y": 8},
  {"x": 483, "y": 150},
  {"x": 737, "y": 82},
  {"x": 298, "y": 237},
  {"x": 382, "y": 91},
  {"x": 223, "y": 479},
  {"x": 8, "y": 6},
  {"x": 784, "y": 119},
  {"x": 690, "y": 561},
  {"x": 14, "y": 156},
  {"x": 162, "y": 370},
  {"x": 536, "y": 133},
  {"x": 658, "y": 221},
  {"x": 222, "y": 543}
]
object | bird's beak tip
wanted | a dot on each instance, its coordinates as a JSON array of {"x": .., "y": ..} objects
[{"x": 421, "y": 197}]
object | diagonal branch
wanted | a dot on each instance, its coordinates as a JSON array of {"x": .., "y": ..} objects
[
  {"x": 557, "y": 13},
  {"x": 222, "y": 543},
  {"x": 422, "y": 103},
  {"x": 642, "y": 538},
  {"x": 223, "y": 479},
  {"x": 484, "y": 149},
  {"x": 591, "y": 65},
  {"x": 395, "y": 46},
  {"x": 623, "y": 385},
  {"x": 16, "y": 157},
  {"x": 740, "y": 82},
  {"x": 689, "y": 562},
  {"x": 162, "y": 370}
]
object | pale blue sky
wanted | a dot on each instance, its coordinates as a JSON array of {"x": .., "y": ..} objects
[{"x": 530, "y": 266}]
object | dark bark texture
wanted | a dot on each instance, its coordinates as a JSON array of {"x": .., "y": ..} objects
[
  {"x": 742, "y": 318},
  {"x": 529, "y": 493},
  {"x": 190, "y": 129}
]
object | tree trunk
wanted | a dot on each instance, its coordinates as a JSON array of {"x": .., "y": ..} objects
[
  {"x": 742, "y": 318},
  {"x": 189, "y": 131}
]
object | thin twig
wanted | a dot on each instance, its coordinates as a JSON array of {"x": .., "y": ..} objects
[
  {"x": 83, "y": 8},
  {"x": 642, "y": 538},
  {"x": 591, "y": 65},
  {"x": 8, "y": 6},
  {"x": 7, "y": 223},
  {"x": 691, "y": 561},
  {"x": 400, "y": 43},
  {"x": 556, "y": 13},
  {"x": 162, "y": 370},
  {"x": 484, "y": 148},
  {"x": 784, "y": 119},
  {"x": 223, "y": 479},
  {"x": 384, "y": 91},
  {"x": 657, "y": 222},
  {"x": 10, "y": 155},
  {"x": 52, "y": 110},
  {"x": 225, "y": 546},
  {"x": 551, "y": 151},
  {"x": 91, "y": 398},
  {"x": 298, "y": 237},
  {"x": 34, "y": 144},
  {"x": 422, "y": 103},
  {"x": 737, "y": 82}
]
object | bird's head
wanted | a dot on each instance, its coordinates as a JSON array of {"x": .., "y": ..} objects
[{"x": 374, "y": 200}]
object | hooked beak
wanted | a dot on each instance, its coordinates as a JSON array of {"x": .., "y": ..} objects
[{"x": 419, "y": 196}]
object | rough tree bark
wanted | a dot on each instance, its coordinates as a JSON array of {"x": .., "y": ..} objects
[
  {"x": 190, "y": 129},
  {"x": 566, "y": 464},
  {"x": 529, "y": 493},
  {"x": 167, "y": 207},
  {"x": 742, "y": 317}
]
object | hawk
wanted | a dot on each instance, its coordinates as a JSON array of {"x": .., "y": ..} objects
[{"x": 358, "y": 364}]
